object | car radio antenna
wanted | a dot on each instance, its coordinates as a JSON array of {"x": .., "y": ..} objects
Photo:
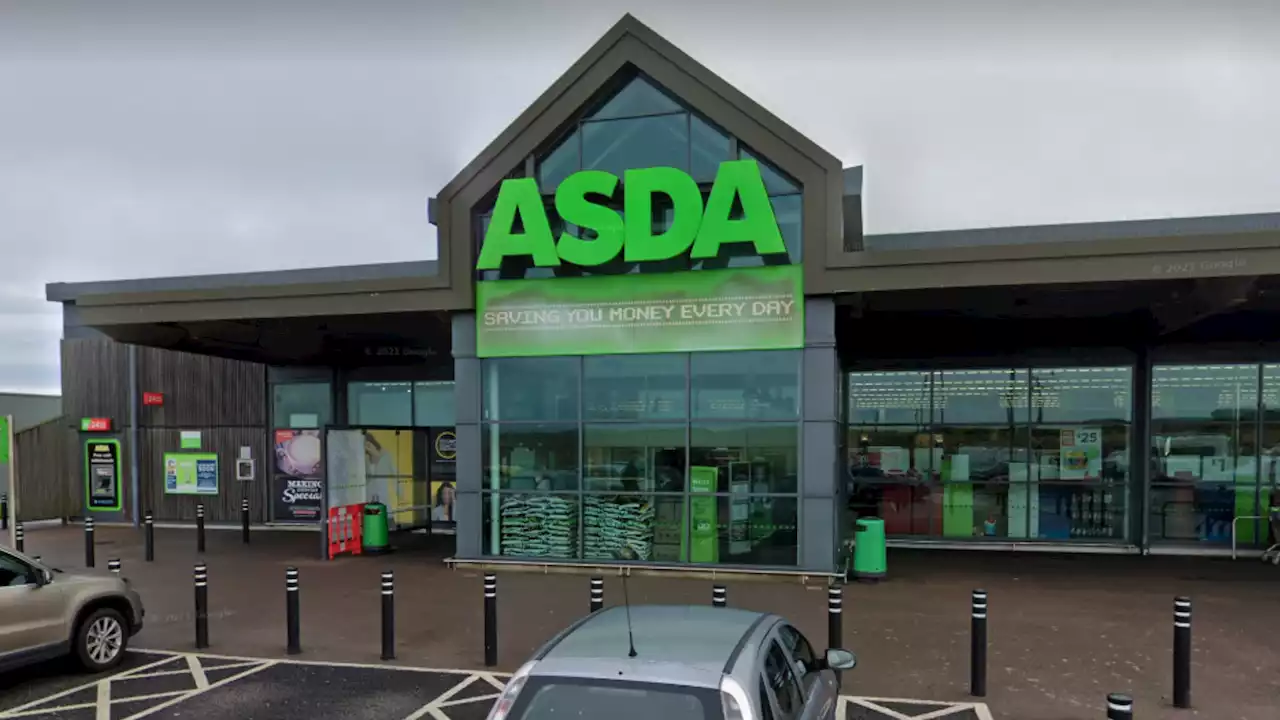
[{"x": 627, "y": 553}]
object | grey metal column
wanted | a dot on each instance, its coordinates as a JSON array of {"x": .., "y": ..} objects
[
  {"x": 135, "y": 483},
  {"x": 1139, "y": 505},
  {"x": 467, "y": 395},
  {"x": 819, "y": 438}
]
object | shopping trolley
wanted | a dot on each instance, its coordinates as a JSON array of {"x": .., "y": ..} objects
[{"x": 1272, "y": 553}]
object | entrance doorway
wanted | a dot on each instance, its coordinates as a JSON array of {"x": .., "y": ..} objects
[{"x": 410, "y": 470}]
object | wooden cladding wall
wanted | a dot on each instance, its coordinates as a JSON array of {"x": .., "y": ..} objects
[
  {"x": 95, "y": 380},
  {"x": 226, "y": 400},
  {"x": 221, "y": 508},
  {"x": 46, "y": 475},
  {"x": 201, "y": 391}
]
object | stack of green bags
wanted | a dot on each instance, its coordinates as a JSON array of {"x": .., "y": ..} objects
[
  {"x": 611, "y": 523},
  {"x": 539, "y": 526}
]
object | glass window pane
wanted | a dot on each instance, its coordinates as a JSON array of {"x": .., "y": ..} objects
[
  {"x": 301, "y": 405},
  {"x": 442, "y": 449},
  {"x": 517, "y": 389},
  {"x": 749, "y": 529},
  {"x": 434, "y": 404},
  {"x": 529, "y": 457},
  {"x": 775, "y": 181},
  {"x": 735, "y": 457},
  {"x": 1205, "y": 464},
  {"x": 635, "y": 387},
  {"x": 560, "y": 163},
  {"x": 890, "y": 398},
  {"x": 755, "y": 385},
  {"x": 380, "y": 404},
  {"x": 981, "y": 396},
  {"x": 530, "y": 525},
  {"x": 1081, "y": 471},
  {"x": 637, "y": 97},
  {"x": 708, "y": 148},
  {"x": 1081, "y": 395},
  {"x": 634, "y": 458},
  {"x": 620, "y": 145},
  {"x": 650, "y": 525}
]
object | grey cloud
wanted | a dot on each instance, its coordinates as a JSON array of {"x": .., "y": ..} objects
[{"x": 184, "y": 136}]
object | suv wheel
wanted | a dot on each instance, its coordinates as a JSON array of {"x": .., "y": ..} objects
[{"x": 101, "y": 640}]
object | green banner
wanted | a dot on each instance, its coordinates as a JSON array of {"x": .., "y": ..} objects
[
  {"x": 759, "y": 308},
  {"x": 4, "y": 438}
]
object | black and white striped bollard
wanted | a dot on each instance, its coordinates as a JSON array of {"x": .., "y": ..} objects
[
  {"x": 200, "y": 528},
  {"x": 490, "y": 620},
  {"x": 88, "y": 542},
  {"x": 202, "y": 606},
  {"x": 1119, "y": 707},
  {"x": 293, "y": 621},
  {"x": 1182, "y": 652},
  {"x": 244, "y": 521},
  {"x": 978, "y": 646},
  {"x": 19, "y": 537},
  {"x": 4, "y": 511},
  {"x": 719, "y": 596},
  {"x": 149, "y": 536},
  {"x": 388, "y": 615},
  {"x": 597, "y": 594},
  {"x": 114, "y": 566},
  {"x": 835, "y": 619}
]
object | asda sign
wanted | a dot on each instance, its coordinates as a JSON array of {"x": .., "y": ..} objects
[{"x": 696, "y": 230}]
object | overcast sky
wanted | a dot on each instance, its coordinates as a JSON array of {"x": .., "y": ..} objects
[{"x": 169, "y": 137}]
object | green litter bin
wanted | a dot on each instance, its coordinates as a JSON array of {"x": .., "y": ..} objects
[
  {"x": 869, "y": 556},
  {"x": 373, "y": 530}
]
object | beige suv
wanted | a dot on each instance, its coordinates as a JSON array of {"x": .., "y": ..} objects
[{"x": 46, "y": 613}]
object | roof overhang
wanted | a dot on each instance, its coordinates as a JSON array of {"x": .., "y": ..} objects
[{"x": 314, "y": 292}]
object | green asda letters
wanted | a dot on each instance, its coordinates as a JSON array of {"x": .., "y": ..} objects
[{"x": 694, "y": 229}]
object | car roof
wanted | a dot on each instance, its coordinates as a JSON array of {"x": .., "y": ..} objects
[{"x": 683, "y": 644}]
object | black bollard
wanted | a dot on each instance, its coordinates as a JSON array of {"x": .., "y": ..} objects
[
  {"x": 114, "y": 566},
  {"x": 4, "y": 511},
  {"x": 1119, "y": 707},
  {"x": 388, "y": 616},
  {"x": 835, "y": 619},
  {"x": 1182, "y": 652},
  {"x": 149, "y": 536},
  {"x": 200, "y": 528},
  {"x": 202, "y": 606},
  {"x": 978, "y": 646},
  {"x": 490, "y": 620},
  {"x": 291, "y": 609},
  {"x": 597, "y": 594},
  {"x": 19, "y": 537},
  {"x": 244, "y": 520},
  {"x": 88, "y": 542},
  {"x": 719, "y": 596}
]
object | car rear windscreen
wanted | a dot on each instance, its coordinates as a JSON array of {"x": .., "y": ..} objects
[{"x": 550, "y": 698}]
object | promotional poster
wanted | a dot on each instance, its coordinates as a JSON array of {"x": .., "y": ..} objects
[{"x": 298, "y": 481}]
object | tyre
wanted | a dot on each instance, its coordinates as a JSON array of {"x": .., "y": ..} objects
[{"x": 101, "y": 639}]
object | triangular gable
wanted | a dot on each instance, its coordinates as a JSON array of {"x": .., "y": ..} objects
[{"x": 631, "y": 44}]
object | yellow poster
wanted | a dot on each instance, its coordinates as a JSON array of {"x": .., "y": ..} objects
[{"x": 389, "y": 472}]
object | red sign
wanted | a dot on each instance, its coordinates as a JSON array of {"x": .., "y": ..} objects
[
  {"x": 150, "y": 398},
  {"x": 95, "y": 424}
]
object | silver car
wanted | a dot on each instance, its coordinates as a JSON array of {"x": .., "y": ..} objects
[
  {"x": 676, "y": 662},
  {"x": 46, "y": 613}
]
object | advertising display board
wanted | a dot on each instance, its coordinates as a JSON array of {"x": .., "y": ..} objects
[
  {"x": 102, "y": 475},
  {"x": 190, "y": 474},
  {"x": 736, "y": 309},
  {"x": 298, "y": 481}
]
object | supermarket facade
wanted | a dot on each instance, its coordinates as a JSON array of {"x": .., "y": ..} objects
[{"x": 731, "y": 381}]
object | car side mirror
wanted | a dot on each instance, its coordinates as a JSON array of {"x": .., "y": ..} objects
[{"x": 840, "y": 659}]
